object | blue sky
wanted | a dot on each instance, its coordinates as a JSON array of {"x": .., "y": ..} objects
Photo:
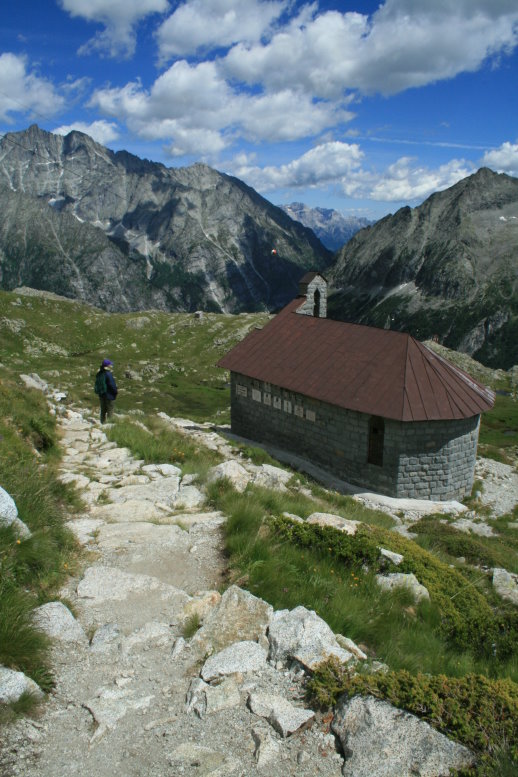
[{"x": 355, "y": 105}]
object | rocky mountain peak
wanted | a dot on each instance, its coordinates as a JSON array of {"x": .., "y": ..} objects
[
  {"x": 188, "y": 237},
  {"x": 447, "y": 268}
]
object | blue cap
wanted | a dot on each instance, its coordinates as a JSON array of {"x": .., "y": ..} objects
[{"x": 107, "y": 363}]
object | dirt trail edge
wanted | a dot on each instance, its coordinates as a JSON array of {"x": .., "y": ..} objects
[{"x": 129, "y": 698}]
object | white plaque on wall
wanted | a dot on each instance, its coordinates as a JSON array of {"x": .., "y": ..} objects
[
  {"x": 287, "y": 406},
  {"x": 267, "y": 399},
  {"x": 298, "y": 411},
  {"x": 241, "y": 390},
  {"x": 256, "y": 395},
  {"x": 310, "y": 415},
  {"x": 277, "y": 403}
]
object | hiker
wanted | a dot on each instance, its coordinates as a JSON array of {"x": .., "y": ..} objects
[{"x": 106, "y": 388}]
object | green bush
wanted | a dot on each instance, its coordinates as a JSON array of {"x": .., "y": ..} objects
[{"x": 474, "y": 710}]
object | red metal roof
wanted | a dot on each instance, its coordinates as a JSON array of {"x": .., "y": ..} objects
[{"x": 374, "y": 371}]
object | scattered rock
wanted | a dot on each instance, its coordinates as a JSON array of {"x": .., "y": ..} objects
[
  {"x": 467, "y": 526},
  {"x": 395, "y": 558},
  {"x": 14, "y": 684},
  {"x": 301, "y": 635},
  {"x": 9, "y": 515},
  {"x": 33, "y": 381},
  {"x": 105, "y": 638},
  {"x": 506, "y": 585},
  {"x": 57, "y": 622},
  {"x": 336, "y": 521},
  {"x": 401, "y": 580},
  {"x": 112, "y": 704},
  {"x": 266, "y": 748},
  {"x": 240, "y": 657},
  {"x": 398, "y": 743},
  {"x": 205, "y": 699},
  {"x": 233, "y": 471},
  {"x": 280, "y": 713},
  {"x": 239, "y": 616}
]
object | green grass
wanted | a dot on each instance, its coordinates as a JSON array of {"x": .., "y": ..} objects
[
  {"x": 499, "y": 431},
  {"x": 160, "y": 443},
  {"x": 32, "y": 569}
]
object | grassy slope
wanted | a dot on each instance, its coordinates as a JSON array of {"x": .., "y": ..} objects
[{"x": 166, "y": 362}]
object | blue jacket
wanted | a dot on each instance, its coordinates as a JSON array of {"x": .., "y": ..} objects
[{"x": 111, "y": 386}]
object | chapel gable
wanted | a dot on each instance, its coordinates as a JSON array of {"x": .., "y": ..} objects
[{"x": 313, "y": 287}]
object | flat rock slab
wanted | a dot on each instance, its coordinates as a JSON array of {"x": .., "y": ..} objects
[
  {"x": 117, "y": 535},
  {"x": 205, "y": 761},
  {"x": 373, "y": 732},
  {"x": 132, "y": 510},
  {"x": 240, "y": 657},
  {"x": 101, "y": 584},
  {"x": 84, "y": 529},
  {"x": 160, "y": 490},
  {"x": 111, "y": 705}
]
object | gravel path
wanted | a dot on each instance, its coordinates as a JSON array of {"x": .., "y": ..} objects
[{"x": 120, "y": 705}]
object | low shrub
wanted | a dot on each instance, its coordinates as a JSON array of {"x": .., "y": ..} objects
[{"x": 474, "y": 710}]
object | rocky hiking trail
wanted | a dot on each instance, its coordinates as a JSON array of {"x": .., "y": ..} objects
[{"x": 133, "y": 696}]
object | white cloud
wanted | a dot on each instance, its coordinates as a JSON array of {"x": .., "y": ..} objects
[
  {"x": 405, "y": 181},
  {"x": 404, "y": 44},
  {"x": 503, "y": 159},
  {"x": 204, "y": 24},
  {"x": 325, "y": 164},
  {"x": 22, "y": 91},
  {"x": 102, "y": 131},
  {"x": 340, "y": 165},
  {"x": 197, "y": 99},
  {"x": 119, "y": 18}
]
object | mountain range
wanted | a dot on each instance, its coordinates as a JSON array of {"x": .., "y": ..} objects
[
  {"x": 128, "y": 234},
  {"x": 124, "y": 233},
  {"x": 331, "y": 227},
  {"x": 447, "y": 270}
]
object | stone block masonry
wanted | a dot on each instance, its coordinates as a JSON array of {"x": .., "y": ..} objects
[{"x": 424, "y": 460}]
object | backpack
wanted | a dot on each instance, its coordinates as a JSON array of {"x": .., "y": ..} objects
[{"x": 100, "y": 383}]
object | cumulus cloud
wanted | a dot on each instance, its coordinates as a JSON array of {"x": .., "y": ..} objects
[
  {"x": 203, "y": 24},
  {"x": 24, "y": 92},
  {"x": 404, "y": 44},
  {"x": 341, "y": 165},
  {"x": 119, "y": 18},
  {"x": 325, "y": 164},
  {"x": 503, "y": 159},
  {"x": 405, "y": 180},
  {"x": 102, "y": 131},
  {"x": 197, "y": 99}
]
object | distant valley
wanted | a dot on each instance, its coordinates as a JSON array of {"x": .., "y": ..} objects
[{"x": 331, "y": 227}]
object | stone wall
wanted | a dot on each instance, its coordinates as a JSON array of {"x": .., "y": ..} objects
[
  {"x": 433, "y": 459},
  {"x": 317, "y": 286}
]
